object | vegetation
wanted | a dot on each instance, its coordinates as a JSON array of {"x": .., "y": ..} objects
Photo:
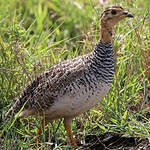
[{"x": 36, "y": 34}]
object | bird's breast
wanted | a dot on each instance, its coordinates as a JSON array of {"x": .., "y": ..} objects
[
  {"x": 78, "y": 98},
  {"x": 88, "y": 97}
]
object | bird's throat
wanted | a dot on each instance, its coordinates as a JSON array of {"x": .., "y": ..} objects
[{"x": 106, "y": 33}]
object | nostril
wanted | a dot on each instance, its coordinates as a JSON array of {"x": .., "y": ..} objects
[{"x": 125, "y": 13}]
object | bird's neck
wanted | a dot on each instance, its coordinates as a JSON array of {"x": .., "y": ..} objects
[
  {"x": 106, "y": 32},
  {"x": 102, "y": 63}
]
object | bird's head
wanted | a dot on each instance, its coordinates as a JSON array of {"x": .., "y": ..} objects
[{"x": 113, "y": 14}]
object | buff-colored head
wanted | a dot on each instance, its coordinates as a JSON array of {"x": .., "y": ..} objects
[{"x": 111, "y": 16}]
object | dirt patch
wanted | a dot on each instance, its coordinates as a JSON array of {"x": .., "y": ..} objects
[{"x": 114, "y": 141}]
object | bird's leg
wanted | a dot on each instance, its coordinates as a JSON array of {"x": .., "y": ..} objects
[
  {"x": 67, "y": 125},
  {"x": 39, "y": 132},
  {"x": 43, "y": 124}
]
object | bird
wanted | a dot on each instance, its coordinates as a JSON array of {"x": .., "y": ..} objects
[{"x": 72, "y": 87}]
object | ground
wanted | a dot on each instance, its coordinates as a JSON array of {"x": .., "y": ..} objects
[{"x": 114, "y": 141}]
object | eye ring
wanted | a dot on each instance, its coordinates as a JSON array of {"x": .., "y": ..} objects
[{"x": 113, "y": 12}]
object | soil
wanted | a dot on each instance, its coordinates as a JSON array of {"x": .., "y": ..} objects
[{"x": 114, "y": 141}]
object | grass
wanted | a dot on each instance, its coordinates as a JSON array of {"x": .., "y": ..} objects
[{"x": 37, "y": 34}]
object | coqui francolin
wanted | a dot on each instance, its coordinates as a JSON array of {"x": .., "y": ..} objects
[{"x": 72, "y": 87}]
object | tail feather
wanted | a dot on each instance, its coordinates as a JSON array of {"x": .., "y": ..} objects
[{"x": 26, "y": 94}]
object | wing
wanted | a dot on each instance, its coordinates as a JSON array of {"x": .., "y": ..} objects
[{"x": 42, "y": 92}]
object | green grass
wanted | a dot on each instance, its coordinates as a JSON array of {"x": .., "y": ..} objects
[{"x": 37, "y": 34}]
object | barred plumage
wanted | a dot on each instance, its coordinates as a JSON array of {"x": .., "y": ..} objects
[{"x": 70, "y": 88}]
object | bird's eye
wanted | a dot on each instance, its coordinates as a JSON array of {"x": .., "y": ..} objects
[{"x": 113, "y": 12}]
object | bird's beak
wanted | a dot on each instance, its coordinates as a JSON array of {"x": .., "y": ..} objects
[{"x": 127, "y": 14}]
